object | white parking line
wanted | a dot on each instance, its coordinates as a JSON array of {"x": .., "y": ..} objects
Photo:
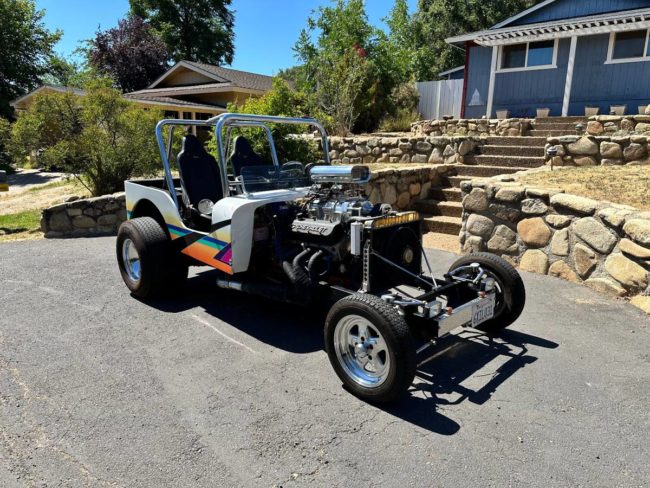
[{"x": 234, "y": 341}]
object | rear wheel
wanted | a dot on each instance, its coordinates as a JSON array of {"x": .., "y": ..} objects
[
  {"x": 509, "y": 288},
  {"x": 148, "y": 266},
  {"x": 370, "y": 347}
]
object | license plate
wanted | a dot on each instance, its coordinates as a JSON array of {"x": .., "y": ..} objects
[{"x": 483, "y": 310}]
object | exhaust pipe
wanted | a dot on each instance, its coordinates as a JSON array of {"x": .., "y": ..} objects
[
  {"x": 227, "y": 284},
  {"x": 266, "y": 290}
]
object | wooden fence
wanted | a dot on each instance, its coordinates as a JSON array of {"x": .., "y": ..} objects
[{"x": 440, "y": 98}]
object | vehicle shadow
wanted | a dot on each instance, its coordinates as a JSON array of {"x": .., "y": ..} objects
[
  {"x": 441, "y": 378},
  {"x": 292, "y": 328},
  {"x": 456, "y": 360}
]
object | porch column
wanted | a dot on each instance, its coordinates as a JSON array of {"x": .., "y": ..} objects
[
  {"x": 194, "y": 127},
  {"x": 493, "y": 70},
  {"x": 569, "y": 76}
]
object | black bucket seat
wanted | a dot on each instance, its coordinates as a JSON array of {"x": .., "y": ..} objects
[
  {"x": 243, "y": 155},
  {"x": 200, "y": 175}
]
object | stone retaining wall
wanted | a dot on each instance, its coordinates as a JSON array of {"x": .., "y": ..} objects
[
  {"x": 403, "y": 150},
  {"x": 618, "y": 125},
  {"x": 603, "y": 245},
  {"x": 402, "y": 187},
  {"x": 471, "y": 127},
  {"x": 596, "y": 150},
  {"x": 103, "y": 215},
  {"x": 85, "y": 217}
]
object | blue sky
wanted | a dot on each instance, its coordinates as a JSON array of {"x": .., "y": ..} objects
[{"x": 265, "y": 30}]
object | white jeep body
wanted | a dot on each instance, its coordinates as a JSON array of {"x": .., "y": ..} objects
[{"x": 228, "y": 246}]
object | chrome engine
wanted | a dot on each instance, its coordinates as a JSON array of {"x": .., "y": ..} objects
[
  {"x": 333, "y": 203},
  {"x": 334, "y": 223}
]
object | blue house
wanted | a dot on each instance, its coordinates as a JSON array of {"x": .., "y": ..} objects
[{"x": 564, "y": 55}]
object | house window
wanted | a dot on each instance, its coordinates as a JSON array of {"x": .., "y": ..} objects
[
  {"x": 514, "y": 56},
  {"x": 529, "y": 55},
  {"x": 625, "y": 47}
]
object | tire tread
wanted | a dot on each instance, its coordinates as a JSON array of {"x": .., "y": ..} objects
[
  {"x": 403, "y": 354},
  {"x": 512, "y": 279},
  {"x": 161, "y": 269}
]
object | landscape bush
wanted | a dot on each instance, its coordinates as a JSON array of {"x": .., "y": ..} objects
[
  {"x": 5, "y": 135},
  {"x": 101, "y": 137},
  {"x": 403, "y": 109}
]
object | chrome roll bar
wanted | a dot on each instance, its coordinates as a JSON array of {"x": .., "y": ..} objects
[
  {"x": 165, "y": 153},
  {"x": 229, "y": 121},
  {"x": 266, "y": 128}
]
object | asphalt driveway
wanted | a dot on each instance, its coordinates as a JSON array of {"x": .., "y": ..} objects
[{"x": 223, "y": 390}]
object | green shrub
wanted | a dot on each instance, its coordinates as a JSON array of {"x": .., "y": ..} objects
[
  {"x": 405, "y": 97},
  {"x": 101, "y": 137},
  {"x": 400, "y": 122},
  {"x": 403, "y": 105},
  {"x": 5, "y": 135}
]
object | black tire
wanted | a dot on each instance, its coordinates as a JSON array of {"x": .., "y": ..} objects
[
  {"x": 160, "y": 270},
  {"x": 399, "y": 342},
  {"x": 512, "y": 297}
]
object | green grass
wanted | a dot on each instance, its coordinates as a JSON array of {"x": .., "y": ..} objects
[{"x": 22, "y": 222}]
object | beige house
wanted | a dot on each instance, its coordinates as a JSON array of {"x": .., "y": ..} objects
[{"x": 188, "y": 90}]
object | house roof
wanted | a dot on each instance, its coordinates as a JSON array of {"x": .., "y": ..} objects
[
  {"x": 162, "y": 100},
  {"x": 185, "y": 90},
  {"x": 148, "y": 100},
  {"x": 450, "y": 71},
  {"x": 578, "y": 26},
  {"x": 518, "y": 16},
  {"x": 236, "y": 78},
  {"x": 59, "y": 89}
]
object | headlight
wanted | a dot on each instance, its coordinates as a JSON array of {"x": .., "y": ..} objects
[
  {"x": 488, "y": 285},
  {"x": 205, "y": 206}
]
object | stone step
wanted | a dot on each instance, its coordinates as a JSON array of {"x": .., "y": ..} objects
[
  {"x": 434, "y": 207},
  {"x": 486, "y": 171},
  {"x": 446, "y": 194},
  {"x": 455, "y": 181},
  {"x": 522, "y": 162},
  {"x": 442, "y": 224},
  {"x": 551, "y": 133},
  {"x": 570, "y": 119},
  {"x": 516, "y": 141},
  {"x": 534, "y": 151},
  {"x": 571, "y": 127}
]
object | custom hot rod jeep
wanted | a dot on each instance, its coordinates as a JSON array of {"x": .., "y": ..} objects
[{"x": 307, "y": 234}]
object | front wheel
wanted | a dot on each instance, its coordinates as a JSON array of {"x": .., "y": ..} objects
[
  {"x": 509, "y": 288},
  {"x": 148, "y": 266},
  {"x": 370, "y": 347}
]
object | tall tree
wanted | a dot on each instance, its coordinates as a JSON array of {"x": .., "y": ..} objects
[
  {"x": 131, "y": 54},
  {"x": 195, "y": 30},
  {"x": 437, "y": 20},
  {"x": 62, "y": 72},
  {"x": 326, "y": 49},
  {"x": 25, "y": 49},
  {"x": 401, "y": 40}
]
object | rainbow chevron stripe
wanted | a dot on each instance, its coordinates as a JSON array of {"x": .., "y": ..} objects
[{"x": 204, "y": 248}]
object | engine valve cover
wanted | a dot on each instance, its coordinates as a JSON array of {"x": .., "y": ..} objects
[{"x": 314, "y": 227}]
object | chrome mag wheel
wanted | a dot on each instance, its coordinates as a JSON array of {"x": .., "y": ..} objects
[
  {"x": 361, "y": 350},
  {"x": 131, "y": 260}
]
